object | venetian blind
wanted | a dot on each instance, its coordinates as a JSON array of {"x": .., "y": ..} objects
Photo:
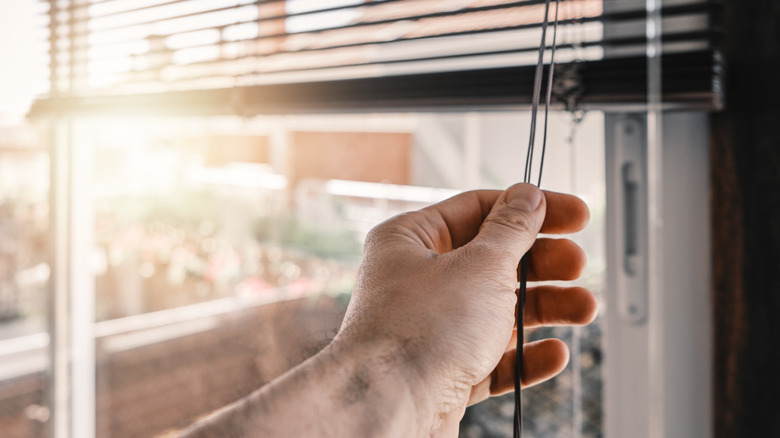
[{"x": 263, "y": 56}]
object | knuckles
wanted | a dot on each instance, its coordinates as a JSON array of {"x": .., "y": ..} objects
[{"x": 523, "y": 223}]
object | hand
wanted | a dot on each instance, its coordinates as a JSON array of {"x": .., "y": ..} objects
[
  {"x": 441, "y": 284},
  {"x": 430, "y": 327}
]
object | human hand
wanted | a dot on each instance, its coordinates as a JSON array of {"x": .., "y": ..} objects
[{"x": 441, "y": 284}]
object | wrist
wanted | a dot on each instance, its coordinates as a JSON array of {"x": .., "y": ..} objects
[{"x": 381, "y": 379}]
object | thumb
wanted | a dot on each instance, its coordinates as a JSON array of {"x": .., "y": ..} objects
[{"x": 513, "y": 223}]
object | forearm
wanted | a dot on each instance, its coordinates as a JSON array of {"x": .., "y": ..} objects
[{"x": 345, "y": 390}]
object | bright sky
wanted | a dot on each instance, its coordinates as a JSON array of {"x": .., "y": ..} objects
[{"x": 21, "y": 69}]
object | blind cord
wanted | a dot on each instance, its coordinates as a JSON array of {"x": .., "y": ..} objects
[{"x": 527, "y": 178}]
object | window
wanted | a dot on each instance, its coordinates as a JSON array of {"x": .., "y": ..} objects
[{"x": 202, "y": 246}]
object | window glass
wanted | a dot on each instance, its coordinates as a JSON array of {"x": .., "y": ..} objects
[{"x": 226, "y": 249}]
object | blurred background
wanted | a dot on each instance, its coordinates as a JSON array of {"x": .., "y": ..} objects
[{"x": 185, "y": 185}]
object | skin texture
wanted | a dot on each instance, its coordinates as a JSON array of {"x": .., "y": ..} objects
[{"x": 430, "y": 327}]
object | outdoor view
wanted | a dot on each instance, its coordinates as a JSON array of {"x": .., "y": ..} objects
[{"x": 225, "y": 248}]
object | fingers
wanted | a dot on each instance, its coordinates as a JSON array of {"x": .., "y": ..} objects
[
  {"x": 556, "y": 306},
  {"x": 555, "y": 259},
  {"x": 454, "y": 222},
  {"x": 553, "y": 305},
  {"x": 542, "y": 360},
  {"x": 566, "y": 214},
  {"x": 545, "y": 305},
  {"x": 512, "y": 339},
  {"x": 513, "y": 223}
]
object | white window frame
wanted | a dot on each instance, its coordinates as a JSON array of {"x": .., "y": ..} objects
[
  {"x": 72, "y": 302},
  {"x": 658, "y": 367}
]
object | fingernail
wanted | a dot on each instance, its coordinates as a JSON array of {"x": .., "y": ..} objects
[{"x": 524, "y": 197}]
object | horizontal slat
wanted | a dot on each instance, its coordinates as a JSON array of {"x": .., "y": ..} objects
[
  {"x": 353, "y": 40},
  {"x": 319, "y": 45},
  {"x": 97, "y": 25},
  {"x": 690, "y": 79},
  {"x": 629, "y": 45},
  {"x": 120, "y": 47},
  {"x": 82, "y": 54},
  {"x": 432, "y": 9}
]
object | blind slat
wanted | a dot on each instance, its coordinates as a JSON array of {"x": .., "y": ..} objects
[{"x": 115, "y": 48}]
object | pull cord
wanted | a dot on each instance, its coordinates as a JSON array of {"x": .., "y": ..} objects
[{"x": 527, "y": 178}]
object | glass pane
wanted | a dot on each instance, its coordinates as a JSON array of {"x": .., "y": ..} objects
[
  {"x": 226, "y": 250},
  {"x": 216, "y": 270}
]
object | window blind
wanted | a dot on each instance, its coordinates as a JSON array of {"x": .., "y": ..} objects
[{"x": 276, "y": 56}]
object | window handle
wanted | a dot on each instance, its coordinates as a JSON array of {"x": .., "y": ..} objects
[{"x": 631, "y": 186}]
